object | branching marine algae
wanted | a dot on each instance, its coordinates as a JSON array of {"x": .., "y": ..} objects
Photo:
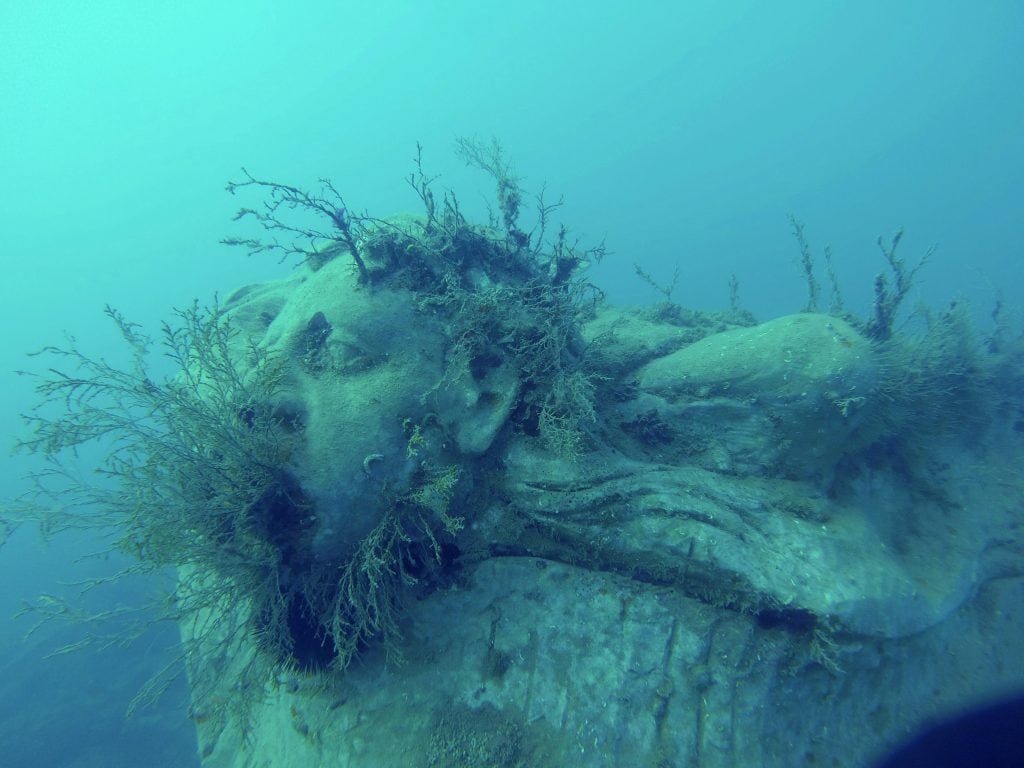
[
  {"x": 303, "y": 466},
  {"x": 578, "y": 521}
]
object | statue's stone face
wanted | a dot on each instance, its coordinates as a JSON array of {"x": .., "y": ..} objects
[{"x": 370, "y": 394}]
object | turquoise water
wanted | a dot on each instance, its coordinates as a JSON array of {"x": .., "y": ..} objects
[{"x": 682, "y": 134}]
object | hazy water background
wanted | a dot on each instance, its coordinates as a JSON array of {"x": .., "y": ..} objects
[{"x": 681, "y": 132}]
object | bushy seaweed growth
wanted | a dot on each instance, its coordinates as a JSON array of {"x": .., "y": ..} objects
[
  {"x": 533, "y": 321},
  {"x": 890, "y": 290},
  {"x": 490, "y": 158},
  {"x": 202, "y": 439},
  {"x": 195, "y": 469},
  {"x": 196, "y": 476},
  {"x": 889, "y": 297},
  {"x": 807, "y": 267},
  {"x": 315, "y": 245},
  {"x": 937, "y": 379},
  {"x": 510, "y": 296}
]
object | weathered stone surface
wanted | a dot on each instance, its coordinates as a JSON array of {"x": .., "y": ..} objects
[
  {"x": 787, "y": 397},
  {"x": 725, "y": 579},
  {"x": 364, "y": 367},
  {"x": 529, "y": 662},
  {"x": 623, "y": 339},
  {"x": 791, "y": 357}
]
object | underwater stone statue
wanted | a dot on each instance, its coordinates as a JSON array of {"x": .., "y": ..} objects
[
  {"x": 727, "y": 546},
  {"x": 438, "y": 505}
]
